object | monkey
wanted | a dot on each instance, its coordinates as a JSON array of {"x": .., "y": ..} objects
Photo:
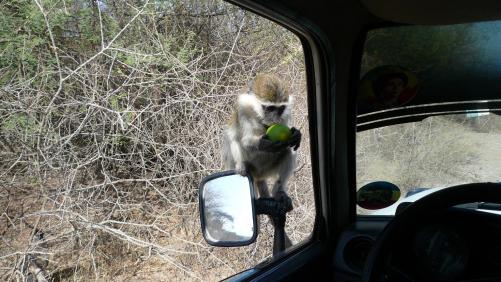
[{"x": 245, "y": 146}]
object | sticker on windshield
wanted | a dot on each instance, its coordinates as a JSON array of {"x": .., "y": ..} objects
[{"x": 386, "y": 87}]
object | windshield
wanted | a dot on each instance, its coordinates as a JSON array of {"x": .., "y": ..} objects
[
  {"x": 414, "y": 70},
  {"x": 436, "y": 152},
  {"x": 427, "y": 105}
]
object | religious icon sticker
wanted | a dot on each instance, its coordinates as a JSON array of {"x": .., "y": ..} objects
[{"x": 386, "y": 87}]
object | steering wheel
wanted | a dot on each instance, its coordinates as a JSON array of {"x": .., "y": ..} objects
[{"x": 435, "y": 203}]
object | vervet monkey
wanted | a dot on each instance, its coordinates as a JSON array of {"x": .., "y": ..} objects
[{"x": 247, "y": 149}]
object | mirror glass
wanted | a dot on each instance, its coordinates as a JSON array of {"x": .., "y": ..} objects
[
  {"x": 228, "y": 215},
  {"x": 377, "y": 195}
]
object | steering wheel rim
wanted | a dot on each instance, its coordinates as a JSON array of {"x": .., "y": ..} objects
[{"x": 440, "y": 200}]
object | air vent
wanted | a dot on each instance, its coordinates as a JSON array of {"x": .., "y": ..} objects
[{"x": 356, "y": 251}]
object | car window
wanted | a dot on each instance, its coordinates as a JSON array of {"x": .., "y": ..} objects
[
  {"x": 427, "y": 108},
  {"x": 111, "y": 113}
]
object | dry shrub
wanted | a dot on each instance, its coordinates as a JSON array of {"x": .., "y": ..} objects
[{"x": 110, "y": 117}]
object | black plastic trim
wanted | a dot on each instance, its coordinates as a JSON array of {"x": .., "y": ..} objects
[{"x": 294, "y": 262}]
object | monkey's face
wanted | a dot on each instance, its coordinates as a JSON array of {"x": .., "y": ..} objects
[
  {"x": 273, "y": 98},
  {"x": 264, "y": 111},
  {"x": 275, "y": 112}
]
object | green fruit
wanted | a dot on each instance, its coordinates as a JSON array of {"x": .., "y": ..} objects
[{"x": 278, "y": 132}]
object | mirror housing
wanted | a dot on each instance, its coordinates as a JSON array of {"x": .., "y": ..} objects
[{"x": 227, "y": 209}]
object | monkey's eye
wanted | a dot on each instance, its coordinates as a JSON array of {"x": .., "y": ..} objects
[
  {"x": 280, "y": 109},
  {"x": 269, "y": 108}
]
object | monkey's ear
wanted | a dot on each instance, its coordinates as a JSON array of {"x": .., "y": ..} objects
[{"x": 250, "y": 85}]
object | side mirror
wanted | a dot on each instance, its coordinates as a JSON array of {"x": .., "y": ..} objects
[{"x": 227, "y": 211}]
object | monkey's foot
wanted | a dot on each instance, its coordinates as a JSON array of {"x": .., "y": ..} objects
[
  {"x": 241, "y": 171},
  {"x": 282, "y": 197}
]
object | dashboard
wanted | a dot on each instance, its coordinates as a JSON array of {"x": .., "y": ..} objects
[{"x": 458, "y": 245}]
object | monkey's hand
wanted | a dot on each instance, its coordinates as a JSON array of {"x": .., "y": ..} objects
[
  {"x": 295, "y": 139},
  {"x": 286, "y": 201},
  {"x": 267, "y": 145}
]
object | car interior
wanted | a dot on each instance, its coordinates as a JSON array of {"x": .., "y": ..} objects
[{"x": 429, "y": 240}]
